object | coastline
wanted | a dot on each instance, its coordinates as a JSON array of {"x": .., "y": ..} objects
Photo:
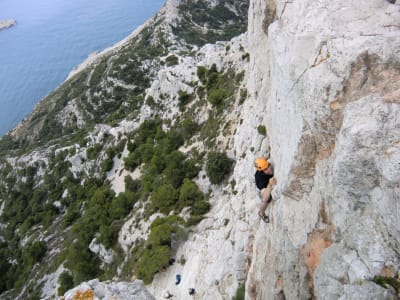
[
  {"x": 166, "y": 9},
  {"x": 4, "y": 24},
  {"x": 94, "y": 56},
  {"x": 92, "y": 59}
]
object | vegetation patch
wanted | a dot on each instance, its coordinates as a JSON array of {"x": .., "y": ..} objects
[
  {"x": 221, "y": 22},
  {"x": 385, "y": 282},
  {"x": 240, "y": 292},
  {"x": 157, "y": 252},
  {"x": 219, "y": 165}
]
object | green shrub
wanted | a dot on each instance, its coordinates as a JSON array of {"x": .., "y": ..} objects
[
  {"x": 193, "y": 220},
  {"x": 218, "y": 167},
  {"x": 240, "y": 293},
  {"x": 34, "y": 253},
  {"x": 132, "y": 161},
  {"x": 72, "y": 215},
  {"x": 107, "y": 164},
  {"x": 131, "y": 185},
  {"x": 83, "y": 264},
  {"x": 66, "y": 282},
  {"x": 158, "y": 249},
  {"x": 217, "y": 96},
  {"x": 189, "y": 127},
  {"x": 145, "y": 151},
  {"x": 152, "y": 261},
  {"x": 183, "y": 99},
  {"x": 189, "y": 193},
  {"x": 164, "y": 198},
  {"x": 200, "y": 207},
  {"x": 172, "y": 60},
  {"x": 262, "y": 130},
  {"x": 122, "y": 205},
  {"x": 93, "y": 152},
  {"x": 202, "y": 74},
  {"x": 385, "y": 281},
  {"x": 175, "y": 170},
  {"x": 150, "y": 101},
  {"x": 109, "y": 234}
]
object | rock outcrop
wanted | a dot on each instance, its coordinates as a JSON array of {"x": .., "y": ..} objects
[
  {"x": 109, "y": 290},
  {"x": 4, "y": 24}
]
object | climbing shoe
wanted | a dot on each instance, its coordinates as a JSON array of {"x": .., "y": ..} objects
[{"x": 263, "y": 217}]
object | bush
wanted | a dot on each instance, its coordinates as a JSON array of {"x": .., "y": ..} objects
[
  {"x": 189, "y": 127},
  {"x": 189, "y": 193},
  {"x": 262, "y": 130},
  {"x": 217, "y": 96},
  {"x": 150, "y": 101},
  {"x": 202, "y": 74},
  {"x": 131, "y": 185},
  {"x": 164, "y": 198},
  {"x": 107, "y": 164},
  {"x": 218, "y": 167},
  {"x": 83, "y": 264},
  {"x": 66, "y": 282},
  {"x": 34, "y": 253},
  {"x": 240, "y": 293},
  {"x": 152, "y": 261},
  {"x": 183, "y": 99},
  {"x": 200, "y": 207},
  {"x": 172, "y": 60},
  {"x": 175, "y": 171},
  {"x": 158, "y": 249},
  {"x": 93, "y": 152}
]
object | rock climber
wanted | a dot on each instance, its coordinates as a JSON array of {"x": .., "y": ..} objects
[
  {"x": 192, "y": 291},
  {"x": 265, "y": 180},
  {"x": 178, "y": 279},
  {"x": 168, "y": 295}
]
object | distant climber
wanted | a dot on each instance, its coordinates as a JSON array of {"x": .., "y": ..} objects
[
  {"x": 168, "y": 295},
  {"x": 192, "y": 291},
  {"x": 178, "y": 279},
  {"x": 265, "y": 180}
]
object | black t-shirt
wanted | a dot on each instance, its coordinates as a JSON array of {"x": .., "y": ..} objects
[{"x": 262, "y": 179}]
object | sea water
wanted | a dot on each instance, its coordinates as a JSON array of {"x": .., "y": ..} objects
[{"x": 50, "y": 38}]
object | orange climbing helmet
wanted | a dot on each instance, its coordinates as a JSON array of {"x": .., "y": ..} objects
[{"x": 261, "y": 164}]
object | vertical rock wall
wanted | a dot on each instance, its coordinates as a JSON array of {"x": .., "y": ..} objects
[{"x": 326, "y": 74}]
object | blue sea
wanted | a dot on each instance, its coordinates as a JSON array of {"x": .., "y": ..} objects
[{"x": 50, "y": 38}]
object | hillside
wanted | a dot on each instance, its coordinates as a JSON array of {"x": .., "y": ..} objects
[{"x": 140, "y": 165}]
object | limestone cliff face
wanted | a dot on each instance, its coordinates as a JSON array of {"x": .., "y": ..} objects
[
  {"x": 324, "y": 80},
  {"x": 326, "y": 75}
]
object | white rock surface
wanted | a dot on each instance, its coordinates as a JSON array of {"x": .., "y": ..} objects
[{"x": 326, "y": 72}]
